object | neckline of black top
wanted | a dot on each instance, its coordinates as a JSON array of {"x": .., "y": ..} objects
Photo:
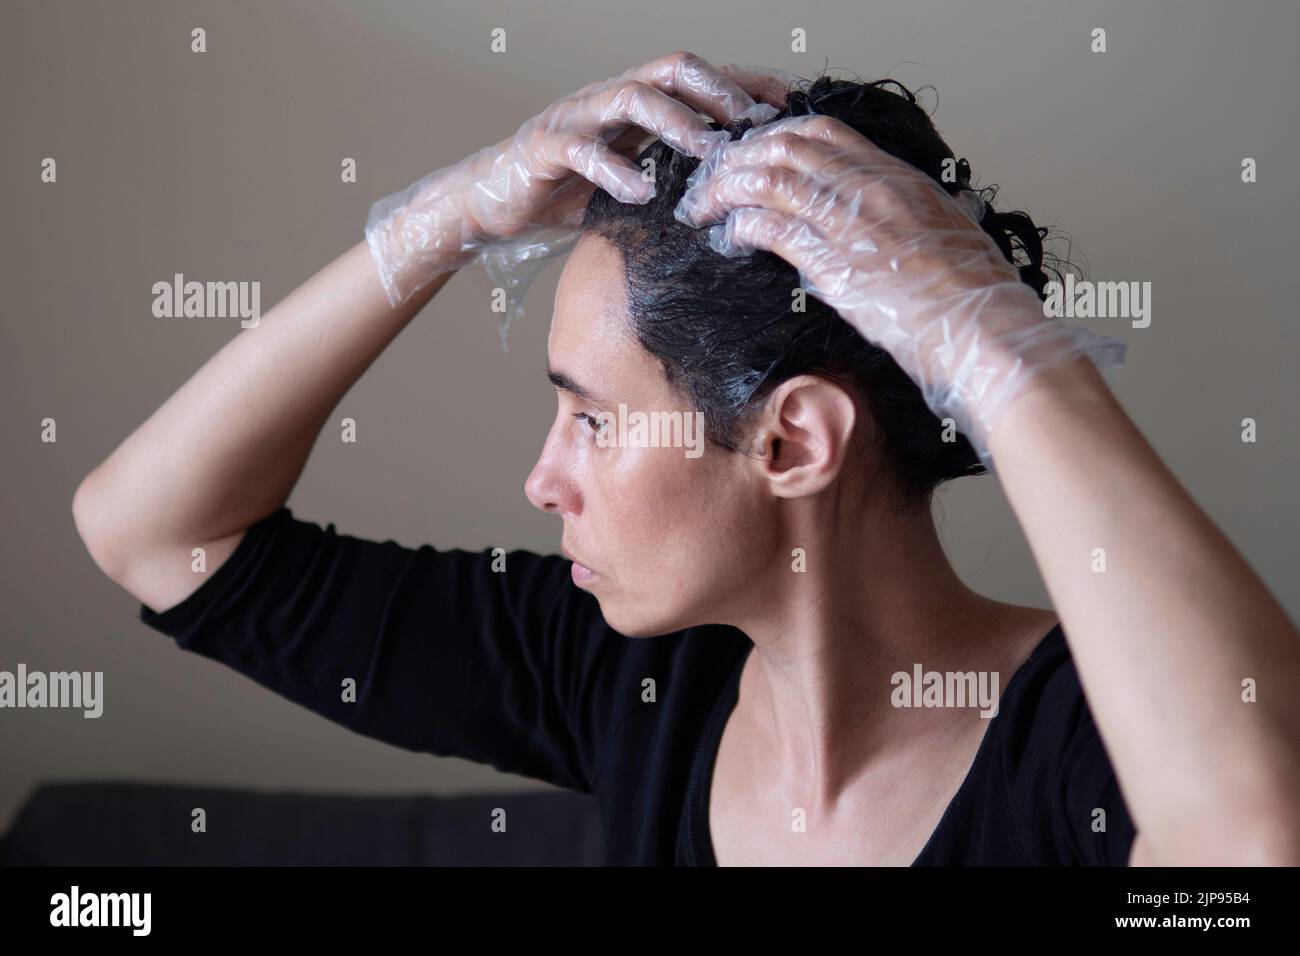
[{"x": 700, "y": 840}]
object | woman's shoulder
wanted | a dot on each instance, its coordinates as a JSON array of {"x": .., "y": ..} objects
[
  {"x": 1062, "y": 789},
  {"x": 1044, "y": 709}
]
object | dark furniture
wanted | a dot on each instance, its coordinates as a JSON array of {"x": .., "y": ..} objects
[{"x": 133, "y": 824}]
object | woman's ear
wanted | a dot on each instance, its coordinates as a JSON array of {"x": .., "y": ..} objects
[{"x": 803, "y": 435}]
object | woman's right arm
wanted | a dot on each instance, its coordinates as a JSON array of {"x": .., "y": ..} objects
[{"x": 227, "y": 448}]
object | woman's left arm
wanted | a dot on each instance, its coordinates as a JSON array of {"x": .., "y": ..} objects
[
  {"x": 1190, "y": 666},
  {"x": 1168, "y": 627}
]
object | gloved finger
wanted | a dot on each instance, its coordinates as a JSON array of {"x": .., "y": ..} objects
[
  {"x": 799, "y": 137},
  {"x": 750, "y": 228},
  {"x": 635, "y": 103},
  {"x": 844, "y": 201},
  {"x": 776, "y": 187},
  {"x": 733, "y": 177},
  {"x": 632, "y": 142},
  {"x": 813, "y": 126},
  {"x": 699, "y": 84},
  {"x": 800, "y": 142},
  {"x": 825, "y": 271},
  {"x": 786, "y": 141},
  {"x": 880, "y": 185},
  {"x": 596, "y": 161},
  {"x": 765, "y": 84}
]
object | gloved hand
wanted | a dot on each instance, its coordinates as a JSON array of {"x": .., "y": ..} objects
[
  {"x": 903, "y": 262},
  {"x": 519, "y": 202}
]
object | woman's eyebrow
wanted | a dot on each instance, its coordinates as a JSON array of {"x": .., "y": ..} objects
[{"x": 562, "y": 380}]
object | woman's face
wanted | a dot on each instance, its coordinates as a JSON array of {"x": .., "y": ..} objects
[{"x": 673, "y": 536}]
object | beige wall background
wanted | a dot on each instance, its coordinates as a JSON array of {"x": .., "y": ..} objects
[{"x": 225, "y": 166}]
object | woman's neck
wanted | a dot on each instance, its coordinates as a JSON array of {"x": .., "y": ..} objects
[{"x": 829, "y": 638}]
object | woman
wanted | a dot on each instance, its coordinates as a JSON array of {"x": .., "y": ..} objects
[{"x": 818, "y": 686}]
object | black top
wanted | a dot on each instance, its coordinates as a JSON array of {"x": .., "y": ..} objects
[{"x": 519, "y": 670}]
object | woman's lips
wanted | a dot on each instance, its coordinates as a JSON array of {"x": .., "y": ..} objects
[{"x": 581, "y": 573}]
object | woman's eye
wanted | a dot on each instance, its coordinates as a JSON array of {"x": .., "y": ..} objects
[{"x": 596, "y": 426}]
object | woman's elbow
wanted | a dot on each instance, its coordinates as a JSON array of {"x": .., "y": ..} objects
[{"x": 90, "y": 515}]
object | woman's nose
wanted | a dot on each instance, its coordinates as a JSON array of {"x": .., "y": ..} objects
[
  {"x": 548, "y": 486},
  {"x": 536, "y": 488}
]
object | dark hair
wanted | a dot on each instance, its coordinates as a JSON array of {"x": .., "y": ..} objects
[{"x": 723, "y": 328}]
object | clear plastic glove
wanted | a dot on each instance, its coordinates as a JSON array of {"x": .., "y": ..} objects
[
  {"x": 516, "y": 204},
  {"x": 903, "y": 262}
]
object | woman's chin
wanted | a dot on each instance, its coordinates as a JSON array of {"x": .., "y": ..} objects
[{"x": 638, "y": 621}]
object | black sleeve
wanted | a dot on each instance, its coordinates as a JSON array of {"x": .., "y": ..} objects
[
  {"x": 1095, "y": 812},
  {"x": 1058, "y": 773},
  {"x": 449, "y": 657}
]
